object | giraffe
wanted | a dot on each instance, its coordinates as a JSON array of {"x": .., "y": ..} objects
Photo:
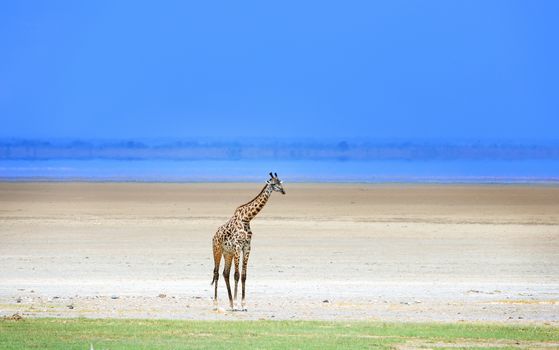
[{"x": 233, "y": 239}]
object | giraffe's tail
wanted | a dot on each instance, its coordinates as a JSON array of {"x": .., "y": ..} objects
[{"x": 213, "y": 281}]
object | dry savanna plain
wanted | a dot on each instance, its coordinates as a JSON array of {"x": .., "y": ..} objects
[{"x": 355, "y": 252}]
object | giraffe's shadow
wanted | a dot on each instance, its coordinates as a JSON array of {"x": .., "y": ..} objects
[{"x": 221, "y": 310}]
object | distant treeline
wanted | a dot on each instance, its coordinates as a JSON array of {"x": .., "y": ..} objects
[{"x": 279, "y": 150}]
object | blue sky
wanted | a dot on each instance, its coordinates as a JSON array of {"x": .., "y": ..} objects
[{"x": 364, "y": 69}]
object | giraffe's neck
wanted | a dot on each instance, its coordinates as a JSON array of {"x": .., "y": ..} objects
[{"x": 248, "y": 211}]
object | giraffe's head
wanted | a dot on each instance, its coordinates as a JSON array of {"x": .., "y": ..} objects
[{"x": 275, "y": 183}]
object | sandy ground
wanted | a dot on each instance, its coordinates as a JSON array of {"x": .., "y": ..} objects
[{"x": 323, "y": 251}]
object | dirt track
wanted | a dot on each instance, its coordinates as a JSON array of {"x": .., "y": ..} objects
[{"x": 387, "y": 252}]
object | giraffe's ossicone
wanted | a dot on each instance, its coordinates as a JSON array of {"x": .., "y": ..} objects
[{"x": 232, "y": 240}]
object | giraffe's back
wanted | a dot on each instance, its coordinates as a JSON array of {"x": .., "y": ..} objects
[{"x": 230, "y": 236}]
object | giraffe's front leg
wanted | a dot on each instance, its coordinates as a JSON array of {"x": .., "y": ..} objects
[
  {"x": 236, "y": 276},
  {"x": 246, "y": 254}
]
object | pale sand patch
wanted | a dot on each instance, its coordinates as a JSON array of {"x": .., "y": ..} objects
[{"x": 323, "y": 251}]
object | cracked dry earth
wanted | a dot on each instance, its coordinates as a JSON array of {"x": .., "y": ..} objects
[{"x": 321, "y": 252}]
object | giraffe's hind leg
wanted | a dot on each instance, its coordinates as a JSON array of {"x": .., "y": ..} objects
[
  {"x": 217, "y": 261},
  {"x": 226, "y": 271}
]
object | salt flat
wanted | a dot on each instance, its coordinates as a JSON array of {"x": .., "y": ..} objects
[{"x": 323, "y": 251}]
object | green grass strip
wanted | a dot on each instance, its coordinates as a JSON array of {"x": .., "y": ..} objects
[{"x": 177, "y": 334}]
